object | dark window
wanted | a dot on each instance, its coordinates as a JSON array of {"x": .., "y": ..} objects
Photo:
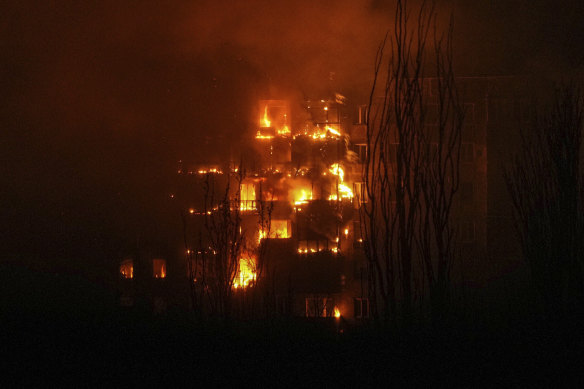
[
  {"x": 361, "y": 151},
  {"x": 361, "y": 307}
]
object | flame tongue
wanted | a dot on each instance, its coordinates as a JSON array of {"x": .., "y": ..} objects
[{"x": 266, "y": 121}]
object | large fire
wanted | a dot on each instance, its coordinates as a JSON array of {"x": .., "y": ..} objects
[
  {"x": 246, "y": 274},
  {"x": 279, "y": 229},
  {"x": 344, "y": 192},
  {"x": 319, "y": 133},
  {"x": 274, "y": 121},
  {"x": 248, "y": 197},
  {"x": 301, "y": 196}
]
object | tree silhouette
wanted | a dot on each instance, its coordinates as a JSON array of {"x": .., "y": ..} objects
[
  {"x": 412, "y": 165},
  {"x": 546, "y": 184}
]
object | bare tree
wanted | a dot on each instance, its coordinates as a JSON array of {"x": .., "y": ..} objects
[
  {"x": 411, "y": 175},
  {"x": 546, "y": 184},
  {"x": 440, "y": 179},
  {"x": 214, "y": 255}
]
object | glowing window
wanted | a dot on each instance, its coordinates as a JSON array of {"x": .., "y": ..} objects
[
  {"x": 158, "y": 268},
  {"x": 280, "y": 229},
  {"x": 247, "y": 197},
  {"x": 127, "y": 269}
]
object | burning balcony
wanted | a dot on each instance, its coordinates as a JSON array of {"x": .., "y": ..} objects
[{"x": 274, "y": 119}]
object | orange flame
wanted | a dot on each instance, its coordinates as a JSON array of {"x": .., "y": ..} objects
[
  {"x": 248, "y": 197},
  {"x": 344, "y": 191},
  {"x": 265, "y": 120},
  {"x": 246, "y": 274}
]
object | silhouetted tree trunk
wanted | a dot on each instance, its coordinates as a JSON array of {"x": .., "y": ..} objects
[
  {"x": 440, "y": 180},
  {"x": 546, "y": 185},
  {"x": 392, "y": 170},
  {"x": 411, "y": 175},
  {"x": 213, "y": 258}
]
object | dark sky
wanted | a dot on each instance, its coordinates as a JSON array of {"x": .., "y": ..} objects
[{"x": 101, "y": 98}]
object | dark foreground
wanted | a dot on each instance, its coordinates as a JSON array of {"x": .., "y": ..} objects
[{"x": 74, "y": 343}]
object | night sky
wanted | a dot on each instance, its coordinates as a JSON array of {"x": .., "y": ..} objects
[{"x": 101, "y": 99}]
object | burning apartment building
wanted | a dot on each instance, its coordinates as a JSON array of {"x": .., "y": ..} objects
[{"x": 278, "y": 225}]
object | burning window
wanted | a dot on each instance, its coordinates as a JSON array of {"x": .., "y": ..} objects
[
  {"x": 246, "y": 273},
  {"x": 273, "y": 119},
  {"x": 280, "y": 229},
  {"x": 247, "y": 196},
  {"x": 302, "y": 196},
  {"x": 158, "y": 268},
  {"x": 127, "y": 269},
  {"x": 316, "y": 246}
]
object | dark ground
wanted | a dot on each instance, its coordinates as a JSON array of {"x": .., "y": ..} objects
[{"x": 60, "y": 331}]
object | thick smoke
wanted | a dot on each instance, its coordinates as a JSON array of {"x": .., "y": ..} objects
[{"x": 101, "y": 99}]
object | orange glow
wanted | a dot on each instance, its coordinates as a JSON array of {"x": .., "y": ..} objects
[
  {"x": 336, "y": 170},
  {"x": 248, "y": 197},
  {"x": 158, "y": 268},
  {"x": 301, "y": 196},
  {"x": 265, "y": 120},
  {"x": 337, "y": 312},
  {"x": 246, "y": 274},
  {"x": 319, "y": 134},
  {"x": 212, "y": 170},
  {"x": 127, "y": 269},
  {"x": 333, "y": 131},
  {"x": 260, "y": 136},
  {"x": 278, "y": 230},
  {"x": 343, "y": 190},
  {"x": 284, "y": 130}
]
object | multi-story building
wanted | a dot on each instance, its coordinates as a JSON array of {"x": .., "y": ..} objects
[{"x": 296, "y": 190}]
